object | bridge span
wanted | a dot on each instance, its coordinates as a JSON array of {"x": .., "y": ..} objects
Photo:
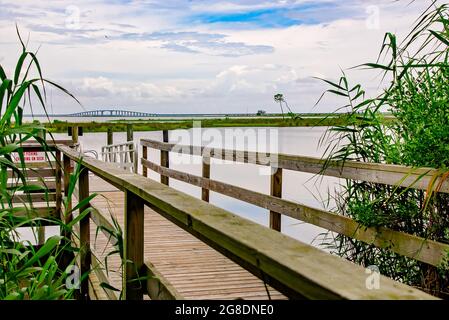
[{"x": 111, "y": 113}]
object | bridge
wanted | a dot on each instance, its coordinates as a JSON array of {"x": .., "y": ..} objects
[{"x": 110, "y": 113}]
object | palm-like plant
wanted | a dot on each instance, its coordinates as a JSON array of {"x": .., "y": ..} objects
[{"x": 279, "y": 98}]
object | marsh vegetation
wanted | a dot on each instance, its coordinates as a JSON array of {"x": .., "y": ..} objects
[
  {"x": 30, "y": 269},
  {"x": 417, "y": 95}
]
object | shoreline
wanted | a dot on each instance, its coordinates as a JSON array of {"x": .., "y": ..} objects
[{"x": 170, "y": 124}]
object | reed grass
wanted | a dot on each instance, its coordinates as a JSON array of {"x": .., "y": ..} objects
[
  {"x": 417, "y": 96},
  {"x": 28, "y": 271}
]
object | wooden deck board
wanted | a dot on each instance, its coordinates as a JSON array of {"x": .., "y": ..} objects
[{"x": 193, "y": 268}]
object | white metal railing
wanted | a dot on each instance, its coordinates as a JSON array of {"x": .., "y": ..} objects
[
  {"x": 124, "y": 154},
  {"x": 91, "y": 152}
]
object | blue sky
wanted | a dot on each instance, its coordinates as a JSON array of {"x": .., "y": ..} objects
[
  {"x": 200, "y": 56},
  {"x": 278, "y": 15}
]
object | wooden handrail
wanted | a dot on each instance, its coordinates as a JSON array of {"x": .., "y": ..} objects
[
  {"x": 294, "y": 268},
  {"x": 394, "y": 175},
  {"x": 50, "y": 144},
  {"x": 424, "y": 250},
  {"x": 421, "y": 249}
]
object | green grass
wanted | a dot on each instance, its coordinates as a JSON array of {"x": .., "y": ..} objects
[{"x": 156, "y": 125}]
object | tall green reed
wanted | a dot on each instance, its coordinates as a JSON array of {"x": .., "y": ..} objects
[
  {"x": 417, "y": 96},
  {"x": 28, "y": 271}
]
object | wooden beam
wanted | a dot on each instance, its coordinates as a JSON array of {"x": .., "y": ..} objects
[
  {"x": 85, "y": 254},
  {"x": 144, "y": 156},
  {"x": 276, "y": 191},
  {"x": 97, "y": 273},
  {"x": 40, "y": 165},
  {"x": 394, "y": 175},
  {"x": 103, "y": 223},
  {"x": 33, "y": 173},
  {"x": 110, "y": 137},
  {"x": 34, "y": 197},
  {"x": 158, "y": 287},
  {"x": 129, "y": 132},
  {"x": 165, "y": 162},
  {"x": 74, "y": 135},
  {"x": 58, "y": 178},
  {"x": 45, "y": 212},
  {"x": 134, "y": 237},
  {"x": 33, "y": 145},
  {"x": 206, "y": 175},
  {"x": 65, "y": 216},
  {"x": 130, "y": 137},
  {"x": 102, "y": 278},
  {"x": 290, "y": 266},
  {"x": 424, "y": 250},
  {"x": 44, "y": 184},
  {"x": 67, "y": 171}
]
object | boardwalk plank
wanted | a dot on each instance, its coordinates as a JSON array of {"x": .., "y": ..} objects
[{"x": 193, "y": 268}]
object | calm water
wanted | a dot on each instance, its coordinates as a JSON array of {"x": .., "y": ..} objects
[{"x": 300, "y": 187}]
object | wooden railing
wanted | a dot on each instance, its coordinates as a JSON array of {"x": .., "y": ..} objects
[
  {"x": 424, "y": 250},
  {"x": 42, "y": 168},
  {"x": 124, "y": 154},
  {"x": 296, "y": 269}
]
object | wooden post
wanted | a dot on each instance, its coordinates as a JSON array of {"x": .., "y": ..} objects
[
  {"x": 276, "y": 191},
  {"x": 134, "y": 226},
  {"x": 58, "y": 178},
  {"x": 41, "y": 230},
  {"x": 67, "y": 171},
  {"x": 110, "y": 138},
  {"x": 206, "y": 174},
  {"x": 145, "y": 156},
  {"x": 75, "y": 134},
  {"x": 68, "y": 256},
  {"x": 165, "y": 158},
  {"x": 40, "y": 235},
  {"x": 130, "y": 137},
  {"x": 129, "y": 132},
  {"x": 85, "y": 258}
]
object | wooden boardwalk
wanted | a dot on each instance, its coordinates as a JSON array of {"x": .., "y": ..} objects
[{"x": 195, "y": 270}]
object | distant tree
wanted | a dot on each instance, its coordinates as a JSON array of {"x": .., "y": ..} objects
[
  {"x": 279, "y": 98},
  {"x": 261, "y": 112}
]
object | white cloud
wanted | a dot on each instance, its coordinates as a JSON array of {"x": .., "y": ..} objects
[
  {"x": 145, "y": 55},
  {"x": 105, "y": 88},
  {"x": 245, "y": 79}
]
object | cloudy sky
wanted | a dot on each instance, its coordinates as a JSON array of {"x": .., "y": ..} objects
[{"x": 174, "y": 56}]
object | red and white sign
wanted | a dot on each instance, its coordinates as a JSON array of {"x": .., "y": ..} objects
[{"x": 31, "y": 156}]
